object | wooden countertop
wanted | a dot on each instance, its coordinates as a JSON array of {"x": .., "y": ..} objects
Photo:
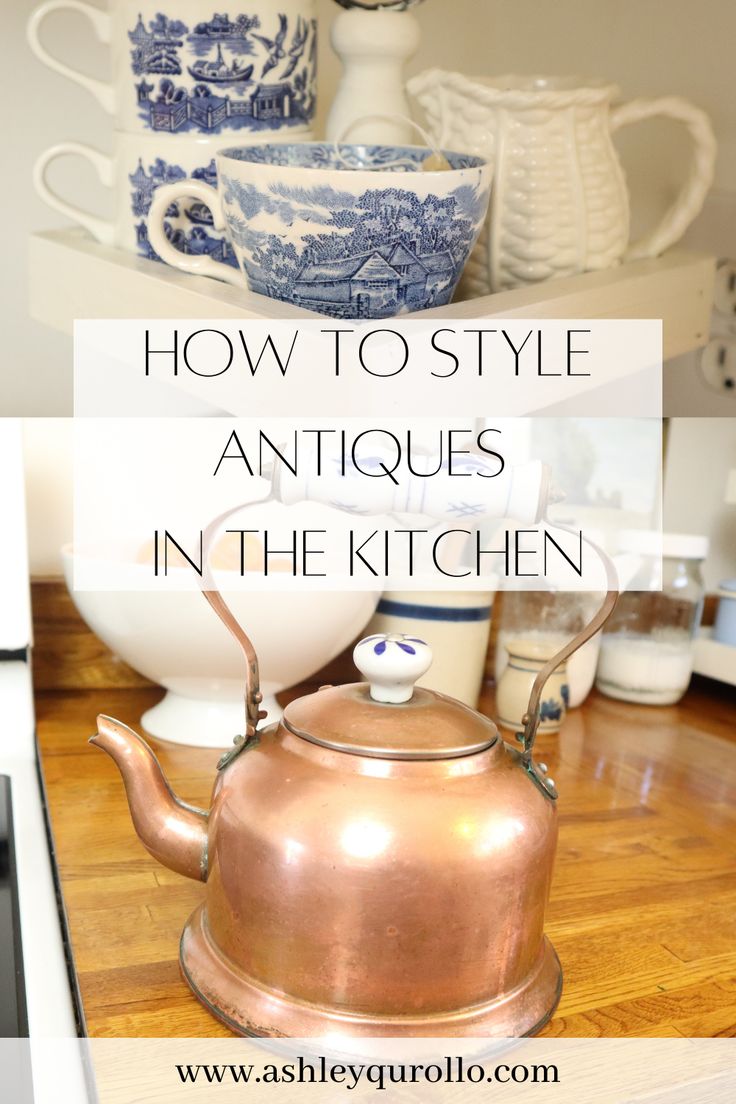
[{"x": 643, "y": 909}]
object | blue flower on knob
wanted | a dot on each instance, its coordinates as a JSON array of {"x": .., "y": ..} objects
[
  {"x": 392, "y": 663},
  {"x": 401, "y": 641}
]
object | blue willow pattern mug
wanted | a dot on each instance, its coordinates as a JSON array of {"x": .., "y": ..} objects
[
  {"x": 362, "y": 232},
  {"x": 138, "y": 165},
  {"x": 189, "y": 68}
]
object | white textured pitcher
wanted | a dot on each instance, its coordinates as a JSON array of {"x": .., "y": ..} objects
[{"x": 559, "y": 204}]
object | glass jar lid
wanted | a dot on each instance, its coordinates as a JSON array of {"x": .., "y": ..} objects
[{"x": 671, "y": 546}]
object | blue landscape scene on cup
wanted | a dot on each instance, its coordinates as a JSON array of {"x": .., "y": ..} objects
[
  {"x": 188, "y": 226},
  {"x": 246, "y": 76},
  {"x": 379, "y": 253}
]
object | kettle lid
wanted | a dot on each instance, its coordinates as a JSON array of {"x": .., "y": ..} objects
[{"x": 387, "y": 717}]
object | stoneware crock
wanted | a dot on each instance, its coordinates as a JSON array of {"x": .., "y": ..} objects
[{"x": 526, "y": 660}]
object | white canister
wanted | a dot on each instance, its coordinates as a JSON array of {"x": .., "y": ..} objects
[
  {"x": 724, "y": 629},
  {"x": 182, "y": 66},
  {"x": 456, "y": 627},
  {"x": 139, "y": 164}
]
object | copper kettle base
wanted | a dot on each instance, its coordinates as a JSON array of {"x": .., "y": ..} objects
[{"x": 248, "y": 1008}]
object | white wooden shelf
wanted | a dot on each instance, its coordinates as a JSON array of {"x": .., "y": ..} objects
[
  {"x": 73, "y": 276},
  {"x": 714, "y": 660}
]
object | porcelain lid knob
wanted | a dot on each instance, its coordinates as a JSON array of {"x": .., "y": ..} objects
[{"x": 392, "y": 663}]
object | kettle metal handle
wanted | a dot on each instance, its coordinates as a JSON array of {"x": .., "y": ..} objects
[
  {"x": 530, "y": 720},
  {"x": 253, "y": 696}
]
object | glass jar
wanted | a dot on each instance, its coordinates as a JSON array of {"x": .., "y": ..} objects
[
  {"x": 648, "y": 643},
  {"x": 549, "y": 619}
]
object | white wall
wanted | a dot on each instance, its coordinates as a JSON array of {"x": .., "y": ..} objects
[
  {"x": 648, "y": 46},
  {"x": 49, "y": 471},
  {"x": 700, "y": 454},
  {"x": 35, "y": 371}
]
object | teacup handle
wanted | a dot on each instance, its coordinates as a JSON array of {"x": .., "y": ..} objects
[
  {"x": 102, "y": 24},
  {"x": 100, "y": 228},
  {"x": 700, "y": 176},
  {"x": 203, "y": 265}
]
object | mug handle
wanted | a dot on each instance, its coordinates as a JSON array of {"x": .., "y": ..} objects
[
  {"x": 103, "y": 165},
  {"x": 202, "y": 265},
  {"x": 700, "y": 176},
  {"x": 102, "y": 24}
]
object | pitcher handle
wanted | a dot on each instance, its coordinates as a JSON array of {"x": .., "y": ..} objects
[
  {"x": 103, "y": 165},
  {"x": 700, "y": 174},
  {"x": 199, "y": 265},
  {"x": 530, "y": 720},
  {"x": 101, "y": 22}
]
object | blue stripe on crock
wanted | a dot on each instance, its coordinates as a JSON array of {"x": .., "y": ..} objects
[{"x": 433, "y": 613}]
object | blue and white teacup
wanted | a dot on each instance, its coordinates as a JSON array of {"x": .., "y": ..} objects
[
  {"x": 354, "y": 232},
  {"x": 183, "y": 66}
]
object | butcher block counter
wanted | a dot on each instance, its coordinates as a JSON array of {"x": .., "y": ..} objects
[{"x": 643, "y": 907}]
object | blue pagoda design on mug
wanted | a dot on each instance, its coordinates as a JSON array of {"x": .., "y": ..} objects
[
  {"x": 156, "y": 50},
  {"x": 245, "y": 77},
  {"x": 377, "y": 254},
  {"x": 187, "y": 227}
]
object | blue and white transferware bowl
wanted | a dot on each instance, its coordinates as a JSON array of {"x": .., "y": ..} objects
[{"x": 362, "y": 232}]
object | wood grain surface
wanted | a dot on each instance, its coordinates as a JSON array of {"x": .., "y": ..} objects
[
  {"x": 67, "y": 655},
  {"x": 643, "y": 909}
]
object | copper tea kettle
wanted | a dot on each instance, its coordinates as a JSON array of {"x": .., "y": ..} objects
[{"x": 378, "y": 863}]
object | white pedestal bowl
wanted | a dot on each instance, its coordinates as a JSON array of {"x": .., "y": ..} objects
[{"x": 176, "y": 640}]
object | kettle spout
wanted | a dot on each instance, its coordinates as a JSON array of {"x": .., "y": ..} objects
[{"x": 174, "y": 833}]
